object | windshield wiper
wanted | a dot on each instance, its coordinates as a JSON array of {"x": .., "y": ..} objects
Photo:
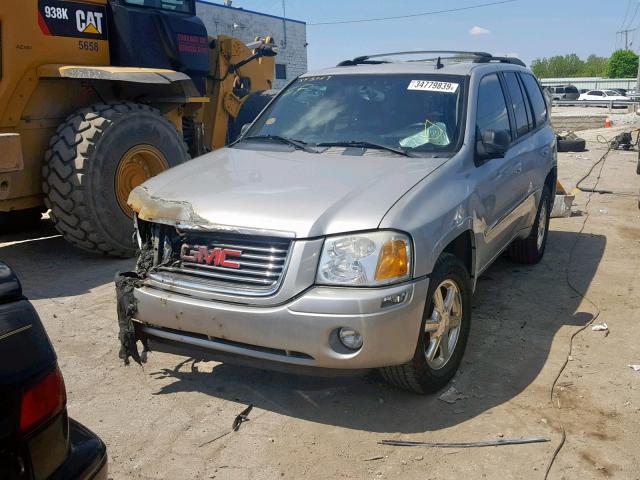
[
  {"x": 299, "y": 144},
  {"x": 358, "y": 144}
]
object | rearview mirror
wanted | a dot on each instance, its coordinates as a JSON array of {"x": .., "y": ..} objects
[{"x": 492, "y": 144}]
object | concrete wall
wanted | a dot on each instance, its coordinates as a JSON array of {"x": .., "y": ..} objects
[
  {"x": 290, "y": 35},
  {"x": 574, "y": 123}
]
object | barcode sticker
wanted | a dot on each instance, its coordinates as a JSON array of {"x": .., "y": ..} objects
[{"x": 431, "y": 86}]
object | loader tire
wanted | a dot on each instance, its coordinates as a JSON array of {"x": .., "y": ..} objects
[{"x": 97, "y": 156}]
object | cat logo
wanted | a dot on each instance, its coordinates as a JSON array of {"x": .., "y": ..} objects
[
  {"x": 89, "y": 22},
  {"x": 72, "y": 19}
]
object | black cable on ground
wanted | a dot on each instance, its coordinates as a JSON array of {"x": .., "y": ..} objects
[
  {"x": 600, "y": 139},
  {"x": 582, "y": 295}
]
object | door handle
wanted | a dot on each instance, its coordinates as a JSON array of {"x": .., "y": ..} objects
[
  {"x": 545, "y": 151},
  {"x": 517, "y": 170}
]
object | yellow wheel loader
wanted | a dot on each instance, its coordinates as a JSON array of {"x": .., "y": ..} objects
[{"x": 96, "y": 96}]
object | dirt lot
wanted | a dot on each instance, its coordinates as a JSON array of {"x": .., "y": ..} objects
[{"x": 158, "y": 422}]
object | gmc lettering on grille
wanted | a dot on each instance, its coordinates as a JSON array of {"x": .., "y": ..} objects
[{"x": 209, "y": 256}]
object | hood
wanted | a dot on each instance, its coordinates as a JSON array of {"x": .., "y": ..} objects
[{"x": 287, "y": 193}]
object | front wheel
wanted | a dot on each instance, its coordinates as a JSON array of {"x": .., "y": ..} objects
[{"x": 443, "y": 335}]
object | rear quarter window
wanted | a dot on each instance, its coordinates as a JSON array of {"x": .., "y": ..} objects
[{"x": 535, "y": 97}]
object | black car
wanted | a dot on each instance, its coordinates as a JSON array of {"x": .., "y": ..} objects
[{"x": 37, "y": 438}]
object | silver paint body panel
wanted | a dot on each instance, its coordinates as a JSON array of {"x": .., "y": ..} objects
[{"x": 308, "y": 196}]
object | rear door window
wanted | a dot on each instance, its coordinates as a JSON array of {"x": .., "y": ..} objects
[
  {"x": 571, "y": 89},
  {"x": 518, "y": 104},
  {"x": 535, "y": 97},
  {"x": 492, "y": 107}
]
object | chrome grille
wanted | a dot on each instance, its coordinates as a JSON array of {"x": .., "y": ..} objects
[{"x": 261, "y": 263}]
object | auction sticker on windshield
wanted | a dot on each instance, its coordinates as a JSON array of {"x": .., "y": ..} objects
[{"x": 431, "y": 86}]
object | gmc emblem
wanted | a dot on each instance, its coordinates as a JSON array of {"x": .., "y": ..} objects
[{"x": 209, "y": 256}]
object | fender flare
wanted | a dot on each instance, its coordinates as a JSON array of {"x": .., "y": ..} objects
[{"x": 156, "y": 76}]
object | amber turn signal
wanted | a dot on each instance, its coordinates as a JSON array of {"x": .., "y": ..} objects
[{"x": 393, "y": 261}]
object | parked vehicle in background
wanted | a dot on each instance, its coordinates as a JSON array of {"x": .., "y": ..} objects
[
  {"x": 621, "y": 91},
  {"x": 563, "y": 92},
  {"x": 37, "y": 439},
  {"x": 604, "y": 95},
  {"x": 347, "y": 227}
]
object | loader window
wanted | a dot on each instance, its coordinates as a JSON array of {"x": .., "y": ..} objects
[{"x": 182, "y": 6}]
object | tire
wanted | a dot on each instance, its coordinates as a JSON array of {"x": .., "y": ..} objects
[
  {"x": 530, "y": 250},
  {"x": 638, "y": 166},
  {"x": 571, "y": 145},
  {"x": 249, "y": 110},
  {"x": 420, "y": 375},
  {"x": 82, "y": 182}
]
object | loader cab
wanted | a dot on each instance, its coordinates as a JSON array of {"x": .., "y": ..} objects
[{"x": 159, "y": 34}]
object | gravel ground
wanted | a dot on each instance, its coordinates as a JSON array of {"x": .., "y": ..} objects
[{"x": 160, "y": 421}]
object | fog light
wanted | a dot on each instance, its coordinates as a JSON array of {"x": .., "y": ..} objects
[{"x": 350, "y": 338}]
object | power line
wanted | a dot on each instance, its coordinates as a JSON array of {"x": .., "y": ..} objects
[
  {"x": 626, "y": 14},
  {"x": 434, "y": 12},
  {"x": 635, "y": 12}
]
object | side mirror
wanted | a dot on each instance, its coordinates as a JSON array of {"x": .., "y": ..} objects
[
  {"x": 492, "y": 144},
  {"x": 244, "y": 129}
]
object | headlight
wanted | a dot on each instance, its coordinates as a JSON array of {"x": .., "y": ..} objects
[{"x": 365, "y": 259}]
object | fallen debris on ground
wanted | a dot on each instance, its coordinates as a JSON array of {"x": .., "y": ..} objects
[
  {"x": 487, "y": 443},
  {"x": 452, "y": 395}
]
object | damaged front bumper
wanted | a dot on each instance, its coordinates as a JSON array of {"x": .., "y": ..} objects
[{"x": 301, "y": 332}]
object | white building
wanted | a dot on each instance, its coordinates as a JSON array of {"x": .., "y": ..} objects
[
  {"x": 591, "y": 83},
  {"x": 290, "y": 35}
]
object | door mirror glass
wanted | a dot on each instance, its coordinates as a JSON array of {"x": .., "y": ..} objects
[{"x": 493, "y": 143}]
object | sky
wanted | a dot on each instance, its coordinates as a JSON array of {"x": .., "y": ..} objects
[{"x": 528, "y": 29}]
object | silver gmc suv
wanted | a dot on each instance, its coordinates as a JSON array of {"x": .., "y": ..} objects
[{"x": 346, "y": 228}]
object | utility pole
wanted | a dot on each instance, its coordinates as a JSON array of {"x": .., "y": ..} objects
[
  {"x": 626, "y": 36},
  {"x": 638, "y": 80}
]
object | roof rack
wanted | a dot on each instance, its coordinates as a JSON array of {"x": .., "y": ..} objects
[{"x": 475, "y": 57}]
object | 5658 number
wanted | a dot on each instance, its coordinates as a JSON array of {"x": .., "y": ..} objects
[{"x": 88, "y": 45}]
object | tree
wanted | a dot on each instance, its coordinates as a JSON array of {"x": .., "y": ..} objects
[
  {"x": 595, "y": 66},
  {"x": 622, "y": 64},
  {"x": 559, "y": 66}
]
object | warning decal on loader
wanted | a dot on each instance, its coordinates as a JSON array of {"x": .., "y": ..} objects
[{"x": 71, "y": 19}]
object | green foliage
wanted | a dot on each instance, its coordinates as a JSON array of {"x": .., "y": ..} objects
[
  {"x": 622, "y": 64},
  {"x": 570, "y": 66}
]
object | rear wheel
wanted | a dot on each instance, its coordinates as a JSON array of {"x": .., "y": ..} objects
[
  {"x": 97, "y": 156},
  {"x": 444, "y": 332},
  {"x": 531, "y": 249}
]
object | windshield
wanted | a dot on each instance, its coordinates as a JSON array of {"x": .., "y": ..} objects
[
  {"x": 413, "y": 113},
  {"x": 612, "y": 93},
  {"x": 183, "y": 6}
]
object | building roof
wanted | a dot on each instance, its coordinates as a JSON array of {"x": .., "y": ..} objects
[{"x": 240, "y": 10}]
